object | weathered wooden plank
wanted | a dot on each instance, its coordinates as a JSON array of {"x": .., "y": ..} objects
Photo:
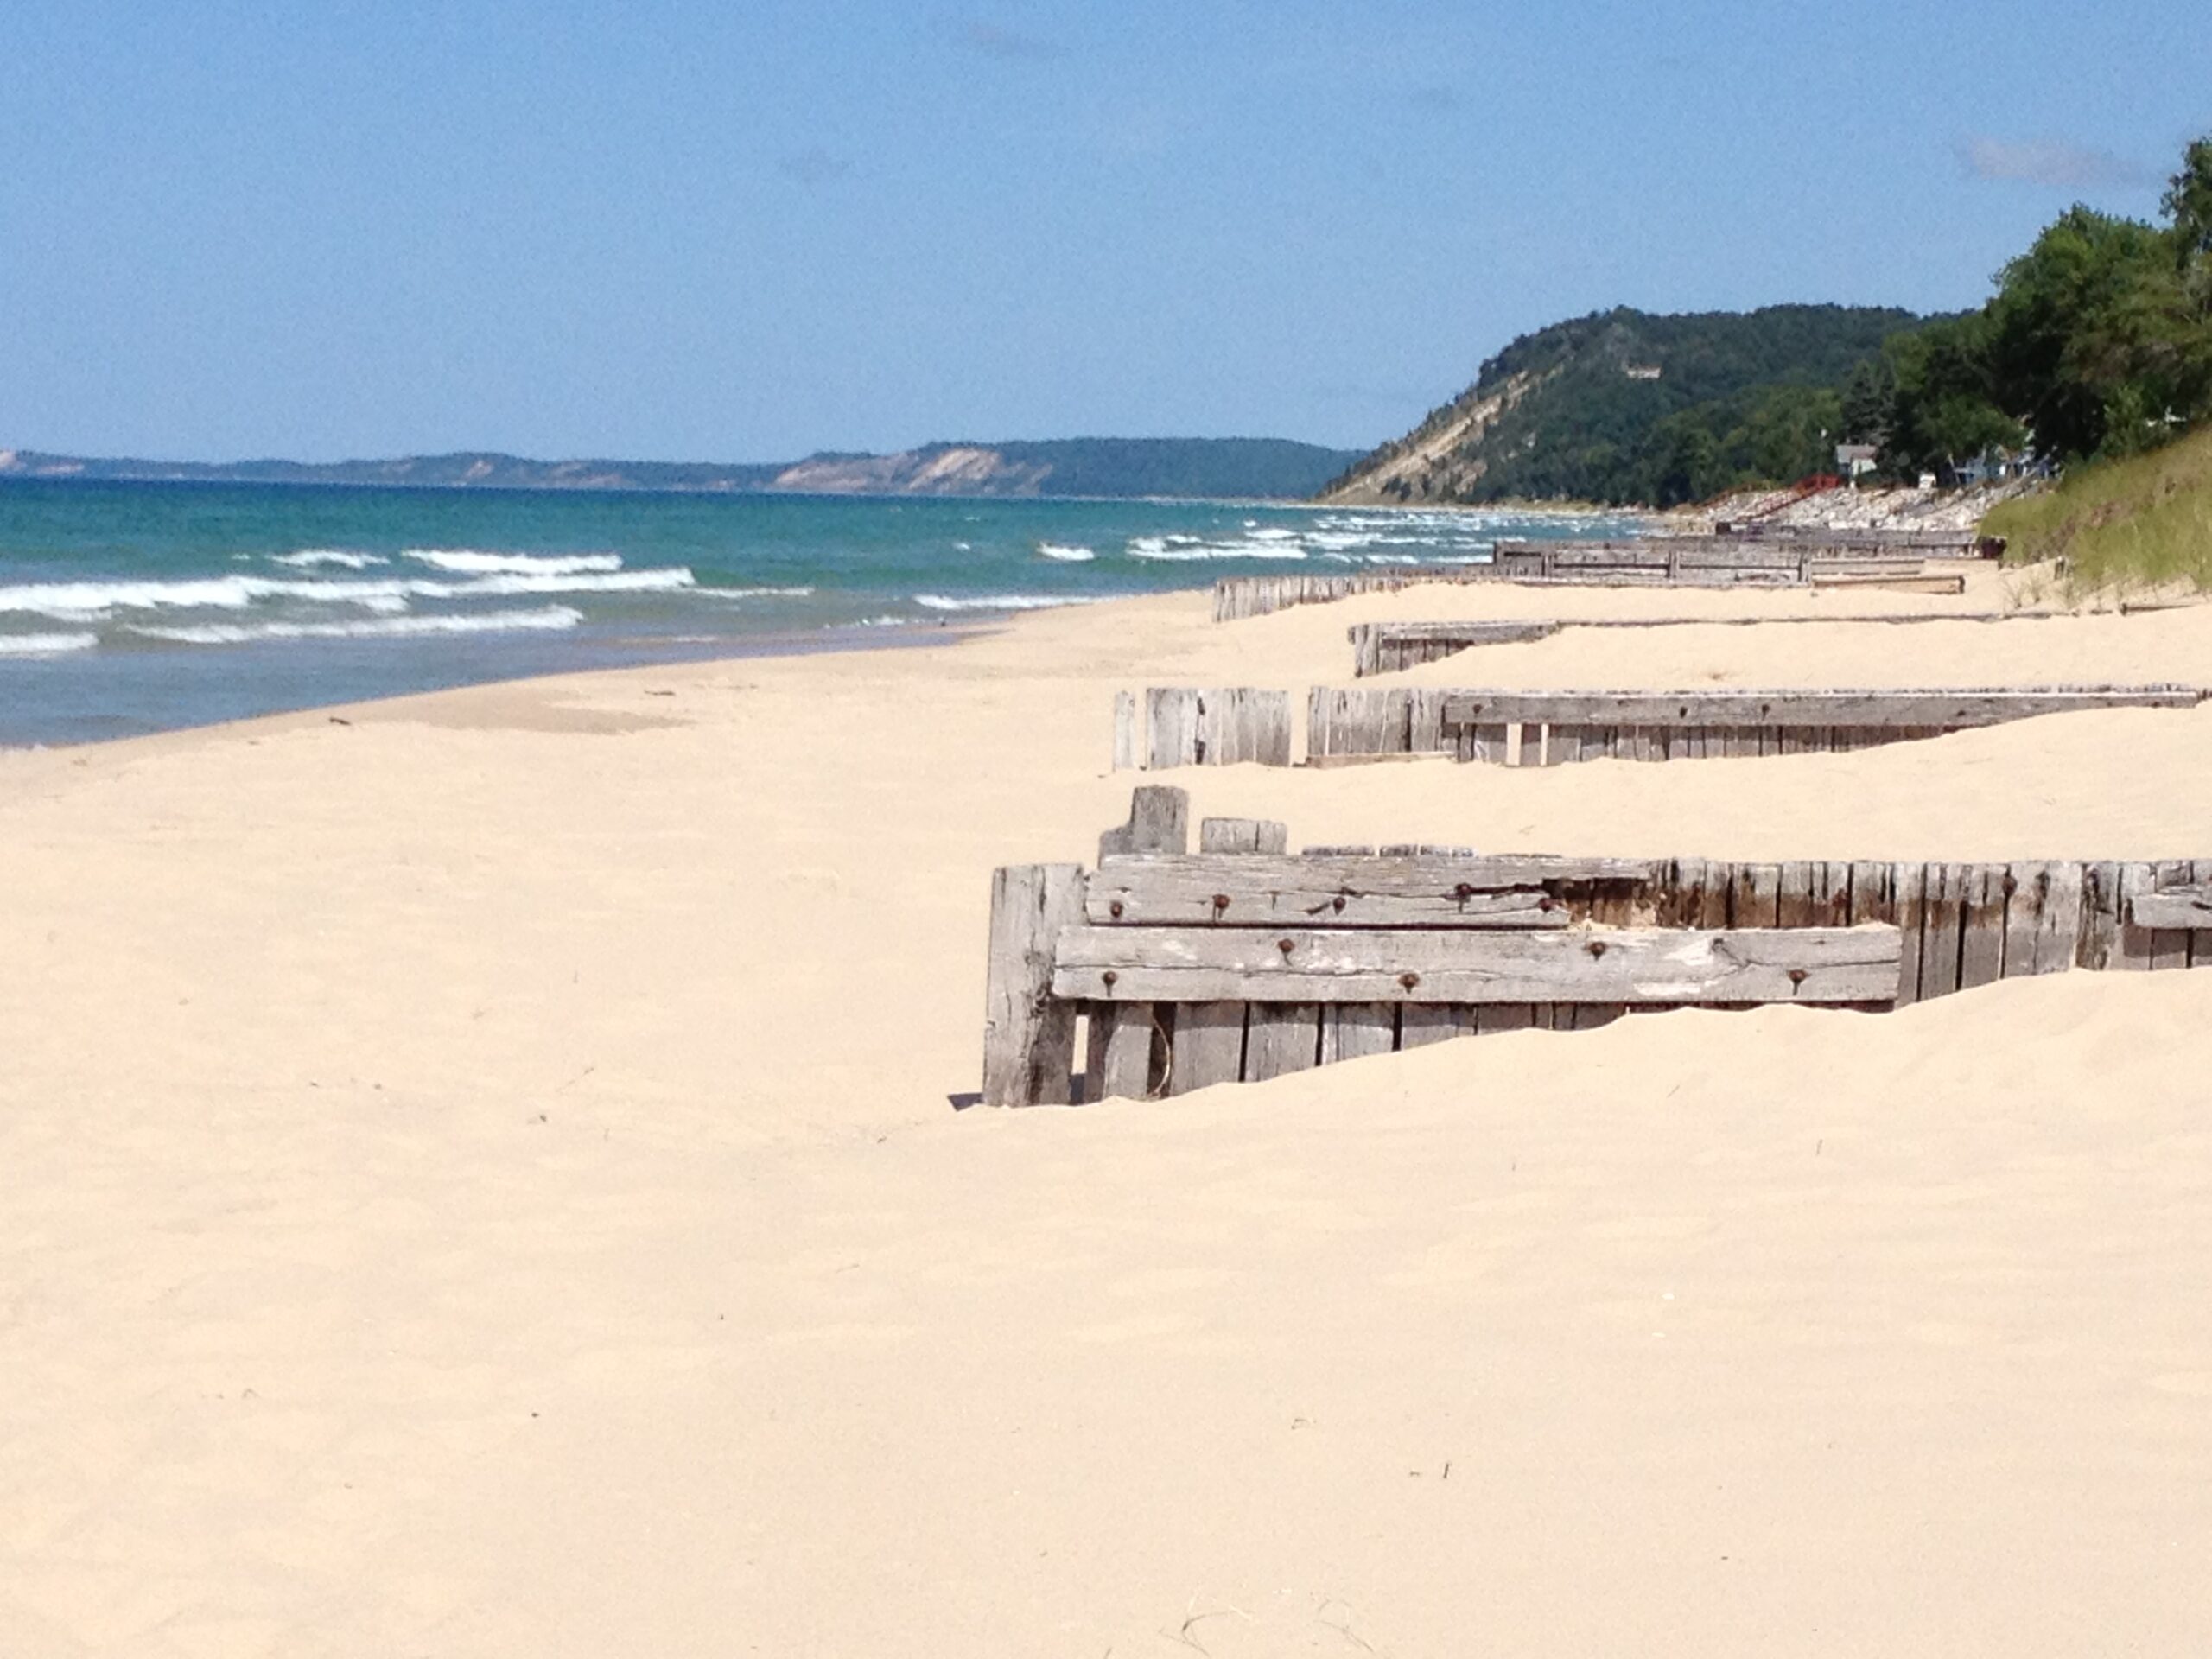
[
  {"x": 1981, "y": 926},
  {"x": 1564, "y": 745},
  {"x": 1422, "y": 1023},
  {"x": 1484, "y": 743},
  {"x": 1356, "y": 888},
  {"x": 1873, "y": 893},
  {"x": 2029, "y": 883},
  {"x": 1203, "y": 726},
  {"x": 1941, "y": 929},
  {"x": 1908, "y": 904},
  {"x": 1281, "y": 1038},
  {"x": 1795, "y": 709},
  {"x": 1755, "y": 896},
  {"x": 2103, "y": 911},
  {"x": 1028, "y": 1034},
  {"x": 1491, "y": 1018},
  {"x": 1126, "y": 751},
  {"x": 1207, "y": 1047},
  {"x": 1126, "y": 1061},
  {"x": 2169, "y": 945},
  {"x": 2059, "y": 918},
  {"x": 1360, "y": 720},
  {"x": 1159, "y": 821},
  {"x": 1242, "y": 836},
  {"x": 1425, "y": 732},
  {"x": 2182, "y": 906},
  {"x": 1622, "y": 965},
  {"x": 1794, "y": 895},
  {"x": 2133, "y": 951},
  {"x": 1351, "y": 1031}
]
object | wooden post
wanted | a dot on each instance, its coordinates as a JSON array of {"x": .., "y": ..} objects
[
  {"x": 1121, "y": 1061},
  {"x": 1126, "y": 756},
  {"x": 1159, "y": 821},
  {"x": 1028, "y": 1034}
]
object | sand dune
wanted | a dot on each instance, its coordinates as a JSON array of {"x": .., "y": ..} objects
[{"x": 481, "y": 1180}]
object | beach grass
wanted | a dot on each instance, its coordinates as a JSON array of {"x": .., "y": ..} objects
[{"x": 2145, "y": 522}]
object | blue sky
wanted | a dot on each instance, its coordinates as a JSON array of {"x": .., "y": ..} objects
[{"x": 742, "y": 231}]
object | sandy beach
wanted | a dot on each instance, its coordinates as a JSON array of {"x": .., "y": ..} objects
[{"x": 483, "y": 1180}]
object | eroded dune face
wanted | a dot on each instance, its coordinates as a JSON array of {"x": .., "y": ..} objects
[{"x": 481, "y": 1178}]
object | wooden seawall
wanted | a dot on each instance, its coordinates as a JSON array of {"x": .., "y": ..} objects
[{"x": 1169, "y": 971}]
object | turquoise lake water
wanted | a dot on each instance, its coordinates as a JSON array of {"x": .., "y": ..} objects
[{"x": 136, "y": 607}]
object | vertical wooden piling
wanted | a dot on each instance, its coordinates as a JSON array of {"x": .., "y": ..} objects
[{"x": 1029, "y": 1037}]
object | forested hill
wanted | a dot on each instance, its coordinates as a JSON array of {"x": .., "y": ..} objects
[
  {"x": 1625, "y": 406},
  {"x": 1244, "y": 469}
]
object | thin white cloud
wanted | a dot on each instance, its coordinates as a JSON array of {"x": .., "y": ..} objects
[{"x": 2059, "y": 166}]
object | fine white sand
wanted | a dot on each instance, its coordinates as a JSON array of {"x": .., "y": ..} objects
[{"x": 481, "y": 1180}]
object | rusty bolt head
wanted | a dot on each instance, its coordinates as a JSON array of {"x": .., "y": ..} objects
[
  {"x": 1597, "y": 947},
  {"x": 1114, "y": 910},
  {"x": 1109, "y": 976},
  {"x": 1547, "y": 903},
  {"x": 1796, "y": 975},
  {"x": 1286, "y": 945},
  {"x": 2011, "y": 884},
  {"x": 1410, "y": 980},
  {"x": 1338, "y": 904}
]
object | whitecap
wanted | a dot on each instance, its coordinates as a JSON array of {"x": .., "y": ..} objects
[
  {"x": 996, "y": 601},
  {"x": 1067, "y": 553},
  {"x": 308, "y": 558},
  {"x": 45, "y": 645},
  {"x": 467, "y": 561},
  {"x": 550, "y": 619}
]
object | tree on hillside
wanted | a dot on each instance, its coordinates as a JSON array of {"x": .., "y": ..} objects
[{"x": 2188, "y": 202}]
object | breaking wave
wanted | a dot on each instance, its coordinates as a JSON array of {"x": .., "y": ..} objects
[{"x": 550, "y": 619}]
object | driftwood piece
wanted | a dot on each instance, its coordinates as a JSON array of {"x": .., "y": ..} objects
[
  {"x": 1605, "y": 965},
  {"x": 1028, "y": 1029}
]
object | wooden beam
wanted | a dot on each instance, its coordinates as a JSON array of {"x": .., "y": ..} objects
[
  {"x": 1028, "y": 1033},
  {"x": 1242, "y": 836},
  {"x": 1801, "y": 709},
  {"x": 1603, "y": 965},
  {"x": 1500, "y": 891},
  {"x": 2177, "y": 907}
]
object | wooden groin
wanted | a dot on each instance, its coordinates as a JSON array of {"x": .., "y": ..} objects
[
  {"x": 1716, "y": 561},
  {"x": 1658, "y": 561},
  {"x": 1524, "y": 728},
  {"x": 1166, "y": 971},
  {"x": 1390, "y": 647}
]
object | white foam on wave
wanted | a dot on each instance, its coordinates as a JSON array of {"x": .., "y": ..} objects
[
  {"x": 760, "y": 593},
  {"x": 1184, "y": 550},
  {"x": 1065, "y": 553},
  {"x": 309, "y": 558},
  {"x": 548, "y": 618},
  {"x": 996, "y": 601},
  {"x": 45, "y": 645},
  {"x": 467, "y": 561},
  {"x": 91, "y": 600}
]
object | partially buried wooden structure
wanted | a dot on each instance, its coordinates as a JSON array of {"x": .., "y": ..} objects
[
  {"x": 1183, "y": 726},
  {"x": 1507, "y": 727},
  {"x": 1169, "y": 971},
  {"x": 1750, "y": 559}
]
